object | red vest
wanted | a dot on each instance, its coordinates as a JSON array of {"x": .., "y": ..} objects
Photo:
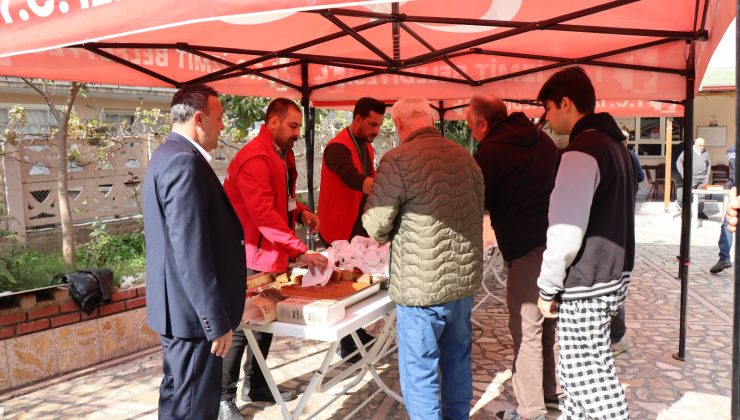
[
  {"x": 268, "y": 235},
  {"x": 339, "y": 205}
]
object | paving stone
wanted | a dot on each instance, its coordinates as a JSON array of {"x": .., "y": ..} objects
[{"x": 656, "y": 384}]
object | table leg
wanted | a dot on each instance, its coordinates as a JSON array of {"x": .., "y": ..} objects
[
  {"x": 379, "y": 350},
  {"x": 266, "y": 372},
  {"x": 316, "y": 380}
]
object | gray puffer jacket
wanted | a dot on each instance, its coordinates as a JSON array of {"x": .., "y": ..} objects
[{"x": 428, "y": 200}]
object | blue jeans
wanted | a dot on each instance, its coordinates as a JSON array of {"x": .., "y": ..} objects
[
  {"x": 434, "y": 357},
  {"x": 725, "y": 241}
]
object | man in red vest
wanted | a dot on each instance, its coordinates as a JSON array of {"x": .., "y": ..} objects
[
  {"x": 347, "y": 174},
  {"x": 260, "y": 183}
]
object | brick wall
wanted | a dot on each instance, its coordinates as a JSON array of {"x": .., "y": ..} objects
[{"x": 43, "y": 335}]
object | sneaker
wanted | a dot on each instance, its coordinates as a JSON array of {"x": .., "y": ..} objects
[
  {"x": 721, "y": 265},
  {"x": 620, "y": 346},
  {"x": 513, "y": 415},
  {"x": 554, "y": 403},
  {"x": 702, "y": 216},
  {"x": 227, "y": 410},
  {"x": 266, "y": 396}
]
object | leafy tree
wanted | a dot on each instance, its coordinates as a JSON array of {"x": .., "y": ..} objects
[
  {"x": 457, "y": 131},
  {"x": 243, "y": 112}
]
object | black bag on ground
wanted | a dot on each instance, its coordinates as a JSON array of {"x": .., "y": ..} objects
[{"x": 90, "y": 288}]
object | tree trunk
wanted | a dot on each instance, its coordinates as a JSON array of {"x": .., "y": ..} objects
[
  {"x": 62, "y": 119},
  {"x": 65, "y": 214}
]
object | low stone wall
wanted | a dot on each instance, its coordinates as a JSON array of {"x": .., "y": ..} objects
[{"x": 46, "y": 335}]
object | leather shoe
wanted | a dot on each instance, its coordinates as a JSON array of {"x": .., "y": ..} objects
[
  {"x": 266, "y": 396},
  {"x": 721, "y": 265},
  {"x": 347, "y": 346},
  {"x": 227, "y": 410}
]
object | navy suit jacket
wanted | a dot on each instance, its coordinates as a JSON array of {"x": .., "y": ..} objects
[{"x": 195, "y": 262}]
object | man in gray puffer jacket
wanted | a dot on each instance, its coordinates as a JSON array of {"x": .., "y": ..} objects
[{"x": 427, "y": 200}]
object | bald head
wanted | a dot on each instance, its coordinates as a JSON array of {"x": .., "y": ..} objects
[
  {"x": 484, "y": 112},
  {"x": 699, "y": 144}
]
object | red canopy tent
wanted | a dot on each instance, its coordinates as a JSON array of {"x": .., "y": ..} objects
[
  {"x": 644, "y": 57},
  {"x": 633, "y": 50}
]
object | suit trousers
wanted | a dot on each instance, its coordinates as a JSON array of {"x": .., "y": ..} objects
[
  {"x": 533, "y": 377},
  {"x": 189, "y": 388}
]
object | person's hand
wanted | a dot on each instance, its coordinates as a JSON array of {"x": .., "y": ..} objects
[
  {"x": 548, "y": 309},
  {"x": 221, "y": 345},
  {"x": 733, "y": 204},
  {"x": 367, "y": 184},
  {"x": 313, "y": 260},
  {"x": 310, "y": 220}
]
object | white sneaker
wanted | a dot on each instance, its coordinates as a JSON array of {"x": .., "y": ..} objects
[{"x": 620, "y": 346}]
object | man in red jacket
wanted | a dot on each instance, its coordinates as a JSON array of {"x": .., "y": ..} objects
[
  {"x": 260, "y": 183},
  {"x": 347, "y": 174}
]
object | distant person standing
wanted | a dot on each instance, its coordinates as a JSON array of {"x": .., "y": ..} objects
[
  {"x": 701, "y": 168},
  {"x": 620, "y": 343},
  {"x": 725, "y": 235},
  {"x": 347, "y": 174}
]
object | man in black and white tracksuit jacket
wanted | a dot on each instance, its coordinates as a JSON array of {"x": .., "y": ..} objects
[{"x": 590, "y": 245}]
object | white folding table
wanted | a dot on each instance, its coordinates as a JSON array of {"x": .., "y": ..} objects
[
  {"x": 695, "y": 202},
  {"x": 360, "y": 314}
]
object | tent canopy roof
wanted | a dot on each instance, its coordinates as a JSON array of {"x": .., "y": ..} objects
[{"x": 634, "y": 51}]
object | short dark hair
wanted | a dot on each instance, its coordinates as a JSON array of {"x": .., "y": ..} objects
[
  {"x": 189, "y": 99},
  {"x": 365, "y": 105},
  {"x": 279, "y": 107},
  {"x": 573, "y": 83}
]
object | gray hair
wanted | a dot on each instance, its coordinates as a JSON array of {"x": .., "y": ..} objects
[
  {"x": 190, "y": 99},
  {"x": 490, "y": 109},
  {"x": 412, "y": 108}
]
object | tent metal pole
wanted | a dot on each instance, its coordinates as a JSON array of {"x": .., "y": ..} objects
[
  {"x": 309, "y": 116},
  {"x": 683, "y": 269},
  {"x": 657, "y": 33},
  {"x": 736, "y": 301},
  {"x": 441, "y": 110}
]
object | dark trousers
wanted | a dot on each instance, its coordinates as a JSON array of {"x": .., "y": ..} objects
[
  {"x": 694, "y": 186},
  {"x": 189, "y": 388},
  {"x": 618, "y": 326},
  {"x": 232, "y": 361}
]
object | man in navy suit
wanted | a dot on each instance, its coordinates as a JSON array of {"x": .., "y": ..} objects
[{"x": 195, "y": 260}]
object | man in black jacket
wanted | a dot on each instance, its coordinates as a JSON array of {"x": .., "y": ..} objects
[
  {"x": 590, "y": 245},
  {"x": 518, "y": 162}
]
